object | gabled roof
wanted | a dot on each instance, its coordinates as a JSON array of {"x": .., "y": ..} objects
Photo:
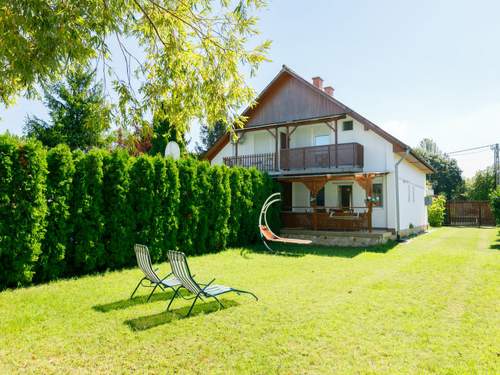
[{"x": 314, "y": 103}]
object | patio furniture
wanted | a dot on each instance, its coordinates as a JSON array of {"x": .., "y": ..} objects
[
  {"x": 144, "y": 263},
  {"x": 266, "y": 234},
  {"x": 180, "y": 269}
]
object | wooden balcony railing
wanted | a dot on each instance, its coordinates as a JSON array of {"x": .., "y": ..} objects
[
  {"x": 343, "y": 155},
  {"x": 327, "y": 218},
  {"x": 263, "y": 162},
  {"x": 328, "y": 156}
]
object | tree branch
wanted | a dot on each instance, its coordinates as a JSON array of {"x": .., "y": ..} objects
[{"x": 150, "y": 22}]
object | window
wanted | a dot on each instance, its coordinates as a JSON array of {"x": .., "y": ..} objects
[
  {"x": 320, "y": 198},
  {"x": 378, "y": 195},
  {"x": 345, "y": 195},
  {"x": 347, "y": 125},
  {"x": 321, "y": 140}
]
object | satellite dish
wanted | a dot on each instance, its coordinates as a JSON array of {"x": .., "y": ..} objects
[{"x": 173, "y": 150}]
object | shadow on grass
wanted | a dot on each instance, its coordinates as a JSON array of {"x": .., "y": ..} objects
[
  {"x": 138, "y": 300},
  {"x": 496, "y": 245},
  {"x": 291, "y": 250},
  {"x": 150, "y": 321}
]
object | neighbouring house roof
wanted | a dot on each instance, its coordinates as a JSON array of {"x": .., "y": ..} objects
[{"x": 287, "y": 99}]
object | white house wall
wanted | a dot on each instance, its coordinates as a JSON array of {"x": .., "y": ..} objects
[
  {"x": 411, "y": 196},
  {"x": 300, "y": 197},
  {"x": 377, "y": 151}
]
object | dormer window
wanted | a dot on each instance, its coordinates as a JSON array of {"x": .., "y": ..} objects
[{"x": 347, "y": 125}]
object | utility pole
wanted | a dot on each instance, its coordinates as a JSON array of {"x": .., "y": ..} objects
[{"x": 496, "y": 163}]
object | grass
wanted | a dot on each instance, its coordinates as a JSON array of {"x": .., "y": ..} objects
[{"x": 428, "y": 306}]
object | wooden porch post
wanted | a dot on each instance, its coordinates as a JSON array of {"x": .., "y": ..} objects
[
  {"x": 366, "y": 182},
  {"x": 336, "y": 145},
  {"x": 236, "y": 147},
  {"x": 314, "y": 186},
  {"x": 276, "y": 162}
]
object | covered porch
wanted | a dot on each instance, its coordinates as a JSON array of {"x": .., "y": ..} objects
[{"x": 345, "y": 204}]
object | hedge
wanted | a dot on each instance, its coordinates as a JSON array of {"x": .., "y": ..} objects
[
  {"x": 51, "y": 262},
  {"x": 67, "y": 214},
  {"x": 23, "y": 209}
]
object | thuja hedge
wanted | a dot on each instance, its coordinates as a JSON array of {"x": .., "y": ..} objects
[{"x": 66, "y": 213}]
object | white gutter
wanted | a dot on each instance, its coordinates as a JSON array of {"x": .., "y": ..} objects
[{"x": 396, "y": 176}]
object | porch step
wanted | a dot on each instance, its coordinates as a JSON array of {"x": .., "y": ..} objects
[{"x": 340, "y": 238}]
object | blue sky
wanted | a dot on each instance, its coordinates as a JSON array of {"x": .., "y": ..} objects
[{"x": 417, "y": 69}]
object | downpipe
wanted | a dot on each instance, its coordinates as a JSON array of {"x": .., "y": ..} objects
[{"x": 396, "y": 176}]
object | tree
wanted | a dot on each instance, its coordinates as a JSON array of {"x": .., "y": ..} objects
[
  {"x": 79, "y": 114},
  {"x": 495, "y": 203},
  {"x": 481, "y": 185},
  {"x": 429, "y": 146},
  {"x": 210, "y": 135},
  {"x": 164, "y": 132},
  {"x": 192, "y": 52},
  {"x": 447, "y": 178}
]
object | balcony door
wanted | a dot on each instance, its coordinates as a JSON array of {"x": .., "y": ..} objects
[
  {"x": 283, "y": 140},
  {"x": 345, "y": 196}
]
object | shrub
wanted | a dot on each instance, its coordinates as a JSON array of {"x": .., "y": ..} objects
[
  {"x": 98, "y": 204},
  {"x": 204, "y": 206},
  {"x": 51, "y": 263},
  {"x": 495, "y": 204},
  {"x": 236, "y": 207},
  {"x": 436, "y": 211},
  {"x": 248, "y": 224},
  {"x": 141, "y": 198},
  {"x": 87, "y": 252},
  {"x": 188, "y": 208},
  {"x": 219, "y": 208},
  {"x": 165, "y": 207},
  {"x": 118, "y": 215},
  {"x": 23, "y": 171}
]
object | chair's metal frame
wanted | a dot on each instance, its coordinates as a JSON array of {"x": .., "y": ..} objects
[
  {"x": 201, "y": 292},
  {"x": 152, "y": 283},
  {"x": 263, "y": 217}
]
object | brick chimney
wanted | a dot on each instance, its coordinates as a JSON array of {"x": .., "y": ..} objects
[
  {"x": 329, "y": 90},
  {"x": 318, "y": 82}
]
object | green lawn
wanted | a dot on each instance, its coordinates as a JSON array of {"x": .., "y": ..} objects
[{"x": 428, "y": 306}]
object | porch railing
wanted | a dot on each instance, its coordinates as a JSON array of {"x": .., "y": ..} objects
[
  {"x": 264, "y": 162},
  {"x": 328, "y": 156},
  {"x": 327, "y": 218}
]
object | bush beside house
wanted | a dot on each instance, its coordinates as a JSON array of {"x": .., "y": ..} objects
[
  {"x": 436, "y": 211},
  {"x": 495, "y": 204},
  {"x": 66, "y": 213}
]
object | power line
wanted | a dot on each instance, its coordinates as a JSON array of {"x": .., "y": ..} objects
[
  {"x": 469, "y": 149},
  {"x": 471, "y": 153}
]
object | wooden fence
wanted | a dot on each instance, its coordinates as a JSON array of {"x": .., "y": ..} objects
[{"x": 469, "y": 213}]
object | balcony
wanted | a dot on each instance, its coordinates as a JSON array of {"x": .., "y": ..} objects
[
  {"x": 263, "y": 162},
  {"x": 329, "y": 157},
  {"x": 343, "y": 155}
]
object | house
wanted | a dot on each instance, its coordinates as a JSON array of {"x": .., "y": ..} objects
[{"x": 339, "y": 171}]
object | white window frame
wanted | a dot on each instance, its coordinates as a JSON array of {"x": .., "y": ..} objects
[{"x": 381, "y": 193}]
